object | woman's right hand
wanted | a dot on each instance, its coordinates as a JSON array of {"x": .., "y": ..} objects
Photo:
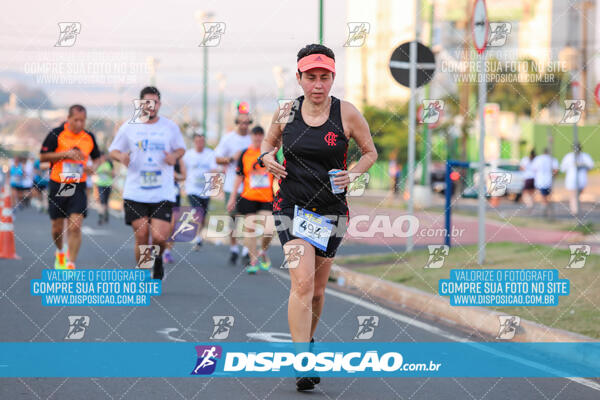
[{"x": 273, "y": 166}]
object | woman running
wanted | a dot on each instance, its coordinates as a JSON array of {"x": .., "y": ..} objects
[{"x": 315, "y": 140}]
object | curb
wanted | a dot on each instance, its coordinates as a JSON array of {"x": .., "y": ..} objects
[{"x": 436, "y": 307}]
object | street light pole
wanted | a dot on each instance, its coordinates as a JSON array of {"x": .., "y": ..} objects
[
  {"x": 221, "y": 79},
  {"x": 320, "y": 21},
  {"x": 481, "y": 203},
  {"x": 278, "y": 74},
  {"x": 203, "y": 17},
  {"x": 426, "y": 160},
  {"x": 205, "y": 89}
]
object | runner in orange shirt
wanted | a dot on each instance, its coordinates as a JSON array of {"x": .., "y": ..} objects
[
  {"x": 255, "y": 203},
  {"x": 68, "y": 149}
]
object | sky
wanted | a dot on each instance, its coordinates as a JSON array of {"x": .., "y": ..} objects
[{"x": 108, "y": 61}]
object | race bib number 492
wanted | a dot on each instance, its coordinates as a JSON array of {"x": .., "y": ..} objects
[{"x": 312, "y": 227}]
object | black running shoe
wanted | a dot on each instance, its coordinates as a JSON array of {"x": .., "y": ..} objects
[
  {"x": 233, "y": 258},
  {"x": 304, "y": 383},
  {"x": 315, "y": 379},
  {"x": 159, "y": 271}
]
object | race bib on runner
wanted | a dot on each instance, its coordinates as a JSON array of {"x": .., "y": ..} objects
[
  {"x": 150, "y": 179},
  {"x": 72, "y": 168},
  {"x": 312, "y": 227},
  {"x": 259, "y": 181}
]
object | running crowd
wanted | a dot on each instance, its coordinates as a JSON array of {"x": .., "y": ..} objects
[
  {"x": 539, "y": 171},
  {"x": 158, "y": 169},
  {"x": 313, "y": 133}
]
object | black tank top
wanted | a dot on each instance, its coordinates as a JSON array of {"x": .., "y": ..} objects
[{"x": 310, "y": 152}]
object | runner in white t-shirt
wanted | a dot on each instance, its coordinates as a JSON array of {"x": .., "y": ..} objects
[
  {"x": 228, "y": 151},
  {"x": 201, "y": 165},
  {"x": 544, "y": 167},
  {"x": 576, "y": 169},
  {"x": 528, "y": 176},
  {"x": 149, "y": 147}
]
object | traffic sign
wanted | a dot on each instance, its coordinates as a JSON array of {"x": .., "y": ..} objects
[
  {"x": 480, "y": 26},
  {"x": 400, "y": 64}
]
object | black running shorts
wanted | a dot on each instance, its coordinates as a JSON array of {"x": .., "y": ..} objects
[
  {"x": 135, "y": 210},
  {"x": 65, "y": 199}
]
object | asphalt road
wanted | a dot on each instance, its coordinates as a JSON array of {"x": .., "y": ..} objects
[{"x": 198, "y": 286}]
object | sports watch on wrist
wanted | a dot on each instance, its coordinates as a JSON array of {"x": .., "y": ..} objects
[{"x": 260, "y": 159}]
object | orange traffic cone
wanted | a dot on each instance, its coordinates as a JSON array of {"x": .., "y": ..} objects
[{"x": 7, "y": 234}]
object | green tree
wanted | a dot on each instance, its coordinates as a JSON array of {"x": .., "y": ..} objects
[
  {"x": 524, "y": 91},
  {"x": 389, "y": 128}
]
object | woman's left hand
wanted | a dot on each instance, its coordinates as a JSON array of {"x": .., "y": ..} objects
[{"x": 342, "y": 179}]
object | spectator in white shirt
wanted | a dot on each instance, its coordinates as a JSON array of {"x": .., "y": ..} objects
[
  {"x": 528, "y": 175},
  {"x": 576, "y": 165},
  {"x": 227, "y": 153},
  {"x": 544, "y": 168}
]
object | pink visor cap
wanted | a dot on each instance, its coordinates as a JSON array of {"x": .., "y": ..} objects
[{"x": 316, "y": 61}]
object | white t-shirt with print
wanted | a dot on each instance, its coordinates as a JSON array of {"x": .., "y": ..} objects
[
  {"x": 197, "y": 164},
  {"x": 543, "y": 166},
  {"x": 576, "y": 171},
  {"x": 149, "y": 178},
  {"x": 526, "y": 163},
  {"x": 229, "y": 145}
]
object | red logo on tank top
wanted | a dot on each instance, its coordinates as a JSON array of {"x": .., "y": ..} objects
[{"x": 330, "y": 138}]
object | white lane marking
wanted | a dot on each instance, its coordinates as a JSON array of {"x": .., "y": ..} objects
[
  {"x": 440, "y": 332},
  {"x": 274, "y": 337},
  {"x": 94, "y": 232},
  {"x": 167, "y": 333}
]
